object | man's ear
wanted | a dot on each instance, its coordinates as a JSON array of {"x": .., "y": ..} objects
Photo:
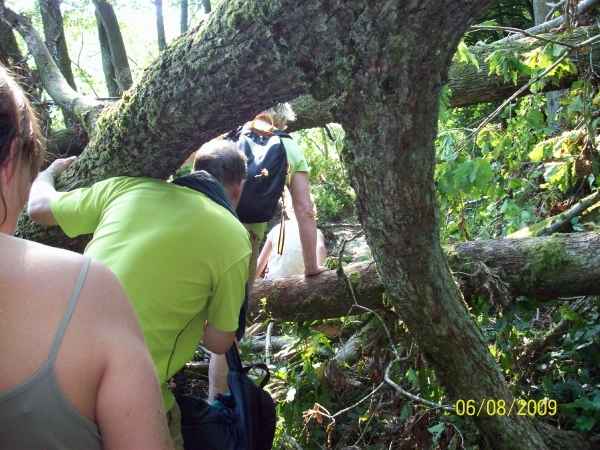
[{"x": 237, "y": 193}]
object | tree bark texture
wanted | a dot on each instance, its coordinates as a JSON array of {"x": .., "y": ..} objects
[
  {"x": 55, "y": 38},
  {"x": 545, "y": 268},
  {"x": 386, "y": 61},
  {"x": 471, "y": 86},
  {"x": 10, "y": 53},
  {"x": 393, "y": 88}
]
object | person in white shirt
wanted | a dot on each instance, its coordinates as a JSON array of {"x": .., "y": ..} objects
[{"x": 291, "y": 261}]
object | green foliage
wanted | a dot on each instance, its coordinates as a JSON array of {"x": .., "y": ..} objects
[
  {"x": 567, "y": 373},
  {"x": 538, "y": 60},
  {"x": 508, "y": 64},
  {"x": 463, "y": 55},
  {"x": 516, "y": 170},
  {"x": 304, "y": 379}
]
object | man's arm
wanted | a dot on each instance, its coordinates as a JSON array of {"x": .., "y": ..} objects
[
  {"x": 217, "y": 341},
  {"x": 307, "y": 225},
  {"x": 43, "y": 192}
]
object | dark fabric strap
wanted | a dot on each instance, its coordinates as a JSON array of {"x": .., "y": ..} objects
[
  {"x": 233, "y": 359},
  {"x": 204, "y": 182}
]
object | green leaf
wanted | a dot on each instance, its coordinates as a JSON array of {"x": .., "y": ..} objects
[
  {"x": 541, "y": 151},
  {"x": 406, "y": 411},
  {"x": 500, "y": 324},
  {"x": 412, "y": 377},
  {"x": 585, "y": 423},
  {"x": 436, "y": 430},
  {"x": 576, "y": 105},
  {"x": 548, "y": 385},
  {"x": 596, "y": 401}
]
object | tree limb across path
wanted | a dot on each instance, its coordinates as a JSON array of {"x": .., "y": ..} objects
[{"x": 545, "y": 268}]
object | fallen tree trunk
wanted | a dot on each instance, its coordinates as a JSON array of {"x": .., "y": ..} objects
[{"x": 545, "y": 268}]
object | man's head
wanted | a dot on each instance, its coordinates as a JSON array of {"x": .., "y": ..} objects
[
  {"x": 226, "y": 162},
  {"x": 281, "y": 113}
]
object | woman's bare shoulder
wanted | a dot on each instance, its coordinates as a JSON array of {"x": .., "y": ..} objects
[{"x": 51, "y": 269}]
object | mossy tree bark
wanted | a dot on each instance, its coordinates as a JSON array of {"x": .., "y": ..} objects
[{"x": 386, "y": 61}]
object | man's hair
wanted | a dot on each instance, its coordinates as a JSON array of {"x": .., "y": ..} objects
[
  {"x": 223, "y": 160},
  {"x": 282, "y": 112}
]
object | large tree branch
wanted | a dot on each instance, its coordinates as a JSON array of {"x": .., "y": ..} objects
[
  {"x": 469, "y": 85},
  {"x": 54, "y": 82},
  {"x": 545, "y": 268}
]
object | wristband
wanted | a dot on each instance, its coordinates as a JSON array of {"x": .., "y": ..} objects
[{"x": 52, "y": 172}]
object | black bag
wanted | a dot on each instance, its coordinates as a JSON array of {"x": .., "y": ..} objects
[
  {"x": 246, "y": 423},
  {"x": 267, "y": 169}
]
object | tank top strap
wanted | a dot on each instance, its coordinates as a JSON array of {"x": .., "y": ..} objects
[{"x": 67, "y": 316}]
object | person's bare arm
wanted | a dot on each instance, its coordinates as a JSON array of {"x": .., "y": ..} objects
[
  {"x": 307, "y": 225},
  {"x": 129, "y": 407},
  {"x": 217, "y": 341},
  {"x": 263, "y": 258},
  {"x": 43, "y": 192},
  {"x": 321, "y": 250}
]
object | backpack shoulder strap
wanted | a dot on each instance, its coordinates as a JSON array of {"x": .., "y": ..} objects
[
  {"x": 282, "y": 133},
  {"x": 233, "y": 359},
  {"x": 233, "y": 134}
]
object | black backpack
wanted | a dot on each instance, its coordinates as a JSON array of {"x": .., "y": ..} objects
[
  {"x": 246, "y": 423},
  {"x": 267, "y": 169}
]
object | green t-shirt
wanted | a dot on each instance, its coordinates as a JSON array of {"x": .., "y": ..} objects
[
  {"x": 297, "y": 164},
  {"x": 182, "y": 259}
]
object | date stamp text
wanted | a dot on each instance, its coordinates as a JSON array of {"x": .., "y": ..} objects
[{"x": 493, "y": 407}]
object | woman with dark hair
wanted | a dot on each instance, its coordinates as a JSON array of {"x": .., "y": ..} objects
[{"x": 75, "y": 372}]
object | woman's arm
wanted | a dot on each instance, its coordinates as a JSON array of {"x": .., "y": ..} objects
[
  {"x": 263, "y": 258},
  {"x": 321, "y": 250},
  {"x": 307, "y": 225}
]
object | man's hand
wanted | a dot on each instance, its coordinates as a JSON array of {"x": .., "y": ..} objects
[
  {"x": 60, "y": 165},
  {"x": 316, "y": 271},
  {"x": 43, "y": 192}
]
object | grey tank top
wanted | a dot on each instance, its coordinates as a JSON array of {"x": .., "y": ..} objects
[{"x": 37, "y": 415}]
